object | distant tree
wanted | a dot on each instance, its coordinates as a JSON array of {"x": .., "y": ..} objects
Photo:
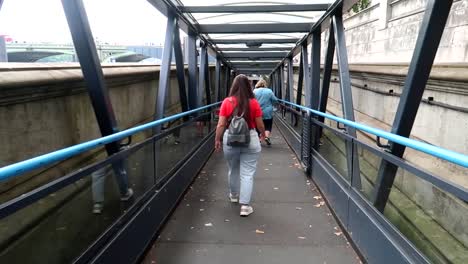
[{"x": 361, "y": 5}]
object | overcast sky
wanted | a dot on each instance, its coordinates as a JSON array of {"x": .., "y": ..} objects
[{"x": 112, "y": 21}]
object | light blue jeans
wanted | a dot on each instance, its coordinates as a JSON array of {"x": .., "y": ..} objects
[
  {"x": 242, "y": 164},
  {"x": 99, "y": 179}
]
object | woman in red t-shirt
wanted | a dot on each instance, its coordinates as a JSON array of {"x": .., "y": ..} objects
[{"x": 242, "y": 161}]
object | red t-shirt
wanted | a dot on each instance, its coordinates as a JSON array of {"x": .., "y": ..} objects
[{"x": 227, "y": 107}]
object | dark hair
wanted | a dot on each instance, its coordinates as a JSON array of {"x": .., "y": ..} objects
[{"x": 241, "y": 89}]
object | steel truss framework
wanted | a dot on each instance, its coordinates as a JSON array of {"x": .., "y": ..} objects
[{"x": 280, "y": 71}]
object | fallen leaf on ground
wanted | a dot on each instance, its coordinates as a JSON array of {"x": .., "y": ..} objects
[
  {"x": 208, "y": 224},
  {"x": 259, "y": 231},
  {"x": 301, "y": 237},
  {"x": 319, "y": 204}
]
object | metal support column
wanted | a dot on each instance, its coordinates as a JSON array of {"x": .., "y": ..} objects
[
  {"x": 180, "y": 71},
  {"x": 315, "y": 83},
  {"x": 218, "y": 80},
  {"x": 93, "y": 75},
  {"x": 300, "y": 82},
  {"x": 327, "y": 70},
  {"x": 290, "y": 87},
  {"x": 165, "y": 70},
  {"x": 207, "y": 78},
  {"x": 92, "y": 72},
  {"x": 346, "y": 98},
  {"x": 192, "y": 70},
  {"x": 432, "y": 28}
]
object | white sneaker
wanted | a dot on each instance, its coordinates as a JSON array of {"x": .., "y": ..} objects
[
  {"x": 246, "y": 210},
  {"x": 233, "y": 198},
  {"x": 127, "y": 196},
  {"x": 97, "y": 208}
]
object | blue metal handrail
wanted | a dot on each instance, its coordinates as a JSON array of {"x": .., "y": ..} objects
[
  {"x": 61, "y": 154},
  {"x": 445, "y": 154}
]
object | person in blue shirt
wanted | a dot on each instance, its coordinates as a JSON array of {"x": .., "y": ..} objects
[{"x": 266, "y": 98}]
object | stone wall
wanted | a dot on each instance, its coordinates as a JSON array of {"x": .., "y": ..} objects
[
  {"x": 47, "y": 107},
  {"x": 386, "y": 32}
]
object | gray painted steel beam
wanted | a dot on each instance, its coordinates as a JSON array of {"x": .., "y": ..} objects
[
  {"x": 255, "y": 69},
  {"x": 306, "y": 70},
  {"x": 86, "y": 52},
  {"x": 264, "y": 41},
  {"x": 180, "y": 67},
  {"x": 165, "y": 70},
  {"x": 91, "y": 67},
  {"x": 254, "y": 28},
  {"x": 218, "y": 80},
  {"x": 278, "y": 60},
  {"x": 327, "y": 70},
  {"x": 256, "y": 49},
  {"x": 207, "y": 78},
  {"x": 192, "y": 70},
  {"x": 346, "y": 97},
  {"x": 254, "y": 9},
  {"x": 432, "y": 28},
  {"x": 315, "y": 85},
  {"x": 167, "y": 7},
  {"x": 255, "y": 55},
  {"x": 253, "y": 64},
  {"x": 290, "y": 86}
]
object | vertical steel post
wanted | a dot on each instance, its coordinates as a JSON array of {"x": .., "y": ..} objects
[
  {"x": 180, "y": 71},
  {"x": 306, "y": 71},
  {"x": 165, "y": 70},
  {"x": 218, "y": 80},
  {"x": 315, "y": 83},
  {"x": 226, "y": 81},
  {"x": 281, "y": 81},
  {"x": 192, "y": 70},
  {"x": 327, "y": 70},
  {"x": 203, "y": 80},
  {"x": 346, "y": 98},
  {"x": 432, "y": 28},
  {"x": 300, "y": 82},
  {"x": 92, "y": 72},
  {"x": 201, "y": 77},
  {"x": 93, "y": 75},
  {"x": 290, "y": 87}
]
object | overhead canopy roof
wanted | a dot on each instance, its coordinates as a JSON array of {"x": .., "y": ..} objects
[{"x": 261, "y": 31}]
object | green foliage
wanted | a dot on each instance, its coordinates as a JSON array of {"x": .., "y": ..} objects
[{"x": 361, "y": 5}]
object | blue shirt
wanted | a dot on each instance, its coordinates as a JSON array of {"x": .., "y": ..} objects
[{"x": 266, "y": 98}]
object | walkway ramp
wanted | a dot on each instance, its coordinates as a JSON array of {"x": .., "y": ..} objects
[{"x": 289, "y": 224}]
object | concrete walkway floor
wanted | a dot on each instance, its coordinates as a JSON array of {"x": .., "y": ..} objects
[{"x": 290, "y": 224}]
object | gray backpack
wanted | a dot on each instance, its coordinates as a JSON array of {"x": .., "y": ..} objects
[{"x": 238, "y": 131}]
